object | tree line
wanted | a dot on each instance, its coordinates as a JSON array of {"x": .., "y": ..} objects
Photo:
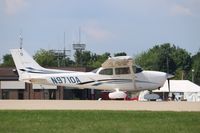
[{"x": 164, "y": 57}]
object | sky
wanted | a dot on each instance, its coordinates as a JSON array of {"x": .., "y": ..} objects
[{"x": 131, "y": 26}]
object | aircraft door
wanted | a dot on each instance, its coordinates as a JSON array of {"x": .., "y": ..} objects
[{"x": 127, "y": 75}]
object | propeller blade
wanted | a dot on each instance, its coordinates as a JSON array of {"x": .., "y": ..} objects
[
  {"x": 168, "y": 85},
  {"x": 169, "y": 76}
]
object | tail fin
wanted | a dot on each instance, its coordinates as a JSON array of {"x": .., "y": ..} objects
[{"x": 24, "y": 63}]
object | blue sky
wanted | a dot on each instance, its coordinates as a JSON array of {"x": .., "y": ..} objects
[{"x": 130, "y": 26}]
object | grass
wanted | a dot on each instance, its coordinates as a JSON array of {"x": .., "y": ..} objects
[{"x": 98, "y": 122}]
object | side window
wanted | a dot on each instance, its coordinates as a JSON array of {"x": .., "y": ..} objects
[
  {"x": 123, "y": 70},
  {"x": 108, "y": 71}
]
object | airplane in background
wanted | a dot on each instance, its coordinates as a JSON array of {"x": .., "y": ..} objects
[{"x": 117, "y": 75}]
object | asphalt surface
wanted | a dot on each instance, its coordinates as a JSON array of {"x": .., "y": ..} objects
[{"x": 97, "y": 105}]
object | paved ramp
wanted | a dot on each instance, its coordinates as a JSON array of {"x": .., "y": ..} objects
[{"x": 97, "y": 105}]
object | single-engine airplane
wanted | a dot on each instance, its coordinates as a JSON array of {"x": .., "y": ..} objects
[{"x": 117, "y": 75}]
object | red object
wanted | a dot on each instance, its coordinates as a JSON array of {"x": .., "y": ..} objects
[
  {"x": 132, "y": 99},
  {"x": 104, "y": 96}
]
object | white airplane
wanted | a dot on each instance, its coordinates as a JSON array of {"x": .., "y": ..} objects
[{"x": 117, "y": 75}]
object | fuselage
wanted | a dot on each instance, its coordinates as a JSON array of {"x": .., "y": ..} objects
[
  {"x": 116, "y": 73},
  {"x": 122, "y": 78}
]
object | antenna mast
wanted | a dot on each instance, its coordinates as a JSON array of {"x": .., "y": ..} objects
[
  {"x": 64, "y": 40},
  {"x": 79, "y": 35}
]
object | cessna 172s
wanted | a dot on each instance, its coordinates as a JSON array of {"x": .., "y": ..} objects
[{"x": 117, "y": 74}]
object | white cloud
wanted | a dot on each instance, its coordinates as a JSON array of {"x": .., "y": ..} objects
[
  {"x": 180, "y": 10},
  {"x": 13, "y": 6}
]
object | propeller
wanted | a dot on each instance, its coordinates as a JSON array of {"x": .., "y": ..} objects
[
  {"x": 168, "y": 80},
  {"x": 169, "y": 76}
]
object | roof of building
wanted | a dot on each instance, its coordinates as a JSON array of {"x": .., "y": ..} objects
[
  {"x": 12, "y": 85},
  {"x": 7, "y": 73},
  {"x": 179, "y": 86}
]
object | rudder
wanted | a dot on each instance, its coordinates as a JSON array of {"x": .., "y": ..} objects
[{"x": 24, "y": 62}]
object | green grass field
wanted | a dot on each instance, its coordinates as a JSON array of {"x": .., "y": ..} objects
[{"x": 99, "y": 122}]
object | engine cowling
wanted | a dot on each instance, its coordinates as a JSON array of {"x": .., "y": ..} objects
[{"x": 117, "y": 95}]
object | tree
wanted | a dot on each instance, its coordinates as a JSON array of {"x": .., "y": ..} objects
[
  {"x": 82, "y": 58},
  {"x": 99, "y": 59},
  {"x": 183, "y": 63},
  {"x": 196, "y": 67},
  {"x": 51, "y": 59},
  {"x": 7, "y": 61},
  {"x": 45, "y": 58},
  {"x": 68, "y": 62},
  {"x": 156, "y": 58},
  {"x": 167, "y": 58},
  {"x": 86, "y": 58}
]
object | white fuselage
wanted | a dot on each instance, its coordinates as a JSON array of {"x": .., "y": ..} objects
[{"x": 125, "y": 82}]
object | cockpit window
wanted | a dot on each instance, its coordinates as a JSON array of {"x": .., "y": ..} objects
[
  {"x": 123, "y": 70},
  {"x": 137, "y": 69},
  {"x": 108, "y": 71}
]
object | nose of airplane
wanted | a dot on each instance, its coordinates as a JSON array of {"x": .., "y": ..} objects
[
  {"x": 157, "y": 77},
  {"x": 160, "y": 78}
]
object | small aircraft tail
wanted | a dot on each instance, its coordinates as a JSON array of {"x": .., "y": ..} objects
[
  {"x": 27, "y": 67},
  {"x": 24, "y": 63}
]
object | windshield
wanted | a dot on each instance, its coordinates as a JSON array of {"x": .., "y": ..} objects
[
  {"x": 137, "y": 69},
  {"x": 95, "y": 70}
]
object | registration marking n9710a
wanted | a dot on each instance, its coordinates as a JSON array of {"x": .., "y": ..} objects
[{"x": 64, "y": 80}]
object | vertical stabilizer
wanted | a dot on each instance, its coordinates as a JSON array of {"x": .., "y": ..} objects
[{"x": 24, "y": 63}]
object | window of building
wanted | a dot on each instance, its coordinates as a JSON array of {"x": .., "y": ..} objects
[
  {"x": 37, "y": 90},
  {"x": 5, "y": 94},
  {"x": 108, "y": 71},
  {"x": 20, "y": 94},
  {"x": 52, "y": 94},
  {"x": 122, "y": 70}
]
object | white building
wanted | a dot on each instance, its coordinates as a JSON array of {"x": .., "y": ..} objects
[{"x": 182, "y": 89}]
